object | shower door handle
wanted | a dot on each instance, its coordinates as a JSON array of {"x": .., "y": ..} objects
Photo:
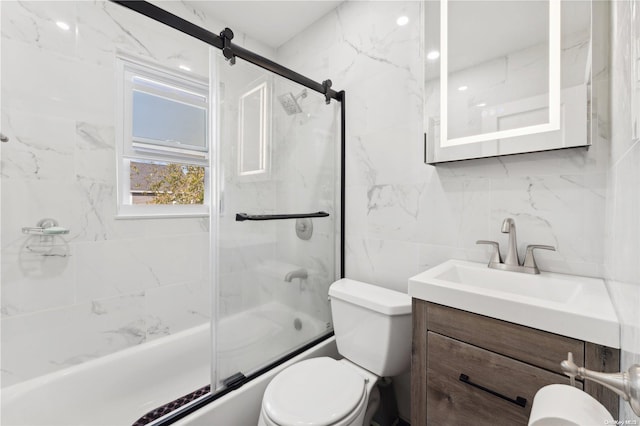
[{"x": 241, "y": 217}]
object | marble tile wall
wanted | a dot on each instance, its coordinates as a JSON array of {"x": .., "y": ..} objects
[
  {"x": 622, "y": 268},
  {"x": 404, "y": 216},
  {"x": 110, "y": 284}
]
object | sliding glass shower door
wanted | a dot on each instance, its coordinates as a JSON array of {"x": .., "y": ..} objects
[{"x": 278, "y": 173}]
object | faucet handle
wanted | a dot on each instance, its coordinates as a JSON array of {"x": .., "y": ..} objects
[
  {"x": 530, "y": 261},
  {"x": 495, "y": 257}
]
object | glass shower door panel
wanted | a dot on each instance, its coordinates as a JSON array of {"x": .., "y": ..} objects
[{"x": 278, "y": 154}]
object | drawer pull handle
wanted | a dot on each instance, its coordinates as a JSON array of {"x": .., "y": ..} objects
[{"x": 518, "y": 401}]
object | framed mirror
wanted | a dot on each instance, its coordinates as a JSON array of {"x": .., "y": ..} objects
[{"x": 505, "y": 77}]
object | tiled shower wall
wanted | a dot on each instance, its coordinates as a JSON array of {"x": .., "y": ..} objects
[
  {"x": 112, "y": 283},
  {"x": 404, "y": 216}
]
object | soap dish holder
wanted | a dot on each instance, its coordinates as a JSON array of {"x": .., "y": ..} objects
[{"x": 45, "y": 227}]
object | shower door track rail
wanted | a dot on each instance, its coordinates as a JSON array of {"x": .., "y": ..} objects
[{"x": 229, "y": 49}]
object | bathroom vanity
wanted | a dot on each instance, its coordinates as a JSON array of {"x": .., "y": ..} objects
[
  {"x": 464, "y": 365},
  {"x": 485, "y": 341}
]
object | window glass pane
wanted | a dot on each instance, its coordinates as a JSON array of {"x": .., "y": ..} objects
[
  {"x": 166, "y": 183},
  {"x": 160, "y": 119}
]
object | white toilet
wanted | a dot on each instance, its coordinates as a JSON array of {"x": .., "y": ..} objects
[{"x": 373, "y": 332}]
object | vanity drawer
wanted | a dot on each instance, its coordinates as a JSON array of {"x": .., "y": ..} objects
[
  {"x": 452, "y": 401},
  {"x": 536, "y": 347}
]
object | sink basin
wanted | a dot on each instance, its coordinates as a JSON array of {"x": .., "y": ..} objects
[
  {"x": 570, "y": 305},
  {"x": 525, "y": 285}
]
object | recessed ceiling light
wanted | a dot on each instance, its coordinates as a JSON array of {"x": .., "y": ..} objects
[
  {"x": 481, "y": 104},
  {"x": 402, "y": 21},
  {"x": 63, "y": 25},
  {"x": 184, "y": 67},
  {"x": 433, "y": 55},
  {"x": 462, "y": 88}
]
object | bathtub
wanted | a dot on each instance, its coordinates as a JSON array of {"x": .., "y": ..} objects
[{"x": 119, "y": 388}]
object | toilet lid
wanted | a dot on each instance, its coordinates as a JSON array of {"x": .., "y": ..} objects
[{"x": 314, "y": 392}]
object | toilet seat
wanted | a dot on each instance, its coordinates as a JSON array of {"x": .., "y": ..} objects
[{"x": 315, "y": 392}]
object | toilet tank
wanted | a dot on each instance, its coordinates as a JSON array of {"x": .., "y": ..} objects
[{"x": 372, "y": 326}]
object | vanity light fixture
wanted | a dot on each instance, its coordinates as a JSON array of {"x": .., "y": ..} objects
[
  {"x": 63, "y": 25},
  {"x": 402, "y": 20},
  {"x": 433, "y": 55}
]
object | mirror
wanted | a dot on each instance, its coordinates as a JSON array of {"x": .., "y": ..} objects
[{"x": 505, "y": 77}]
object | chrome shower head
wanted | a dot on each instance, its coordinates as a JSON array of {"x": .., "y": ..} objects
[{"x": 290, "y": 102}]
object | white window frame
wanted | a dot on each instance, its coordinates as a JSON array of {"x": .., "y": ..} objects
[{"x": 130, "y": 149}]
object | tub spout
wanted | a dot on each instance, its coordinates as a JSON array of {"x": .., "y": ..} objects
[{"x": 298, "y": 273}]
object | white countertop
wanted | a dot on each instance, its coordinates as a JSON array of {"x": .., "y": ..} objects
[{"x": 569, "y": 305}]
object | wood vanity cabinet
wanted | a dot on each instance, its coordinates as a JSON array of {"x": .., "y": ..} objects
[{"x": 471, "y": 369}]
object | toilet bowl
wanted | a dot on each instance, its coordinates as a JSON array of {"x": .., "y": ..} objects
[
  {"x": 320, "y": 391},
  {"x": 372, "y": 326}
]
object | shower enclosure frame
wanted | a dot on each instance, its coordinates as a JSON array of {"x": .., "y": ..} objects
[{"x": 232, "y": 51}]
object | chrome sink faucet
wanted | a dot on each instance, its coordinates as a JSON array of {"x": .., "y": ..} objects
[
  {"x": 512, "y": 262},
  {"x": 509, "y": 227}
]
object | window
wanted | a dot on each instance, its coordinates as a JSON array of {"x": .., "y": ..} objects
[
  {"x": 254, "y": 132},
  {"x": 163, "y": 146}
]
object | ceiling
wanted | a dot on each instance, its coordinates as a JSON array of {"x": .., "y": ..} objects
[{"x": 270, "y": 22}]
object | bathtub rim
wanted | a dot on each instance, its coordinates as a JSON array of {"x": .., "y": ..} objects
[{"x": 203, "y": 401}]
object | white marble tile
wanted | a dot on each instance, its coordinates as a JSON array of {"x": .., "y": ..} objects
[
  {"x": 389, "y": 156},
  {"x": 566, "y": 212},
  {"x": 37, "y": 274},
  {"x": 623, "y": 225},
  {"x": 49, "y": 340},
  {"x": 70, "y": 88},
  {"x": 35, "y": 23},
  {"x": 625, "y": 234},
  {"x": 622, "y": 242},
  {"x": 393, "y": 211},
  {"x": 115, "y": 267},
  {"x": 173, "y": 308},
  {"x": 454, "y": 211},
  {"x": 105, "y": 28},
  {"x": 622, "y": 79},
  {"x": 386, "y": 263},
  {"x": 42, "y": 146},
  {"x": 95, "y": 152}
]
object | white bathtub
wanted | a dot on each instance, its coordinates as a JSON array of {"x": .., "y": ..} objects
[{"x": 118, "y": 389}]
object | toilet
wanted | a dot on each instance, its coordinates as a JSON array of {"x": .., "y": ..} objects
[{"x": 372, "y": 327}]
